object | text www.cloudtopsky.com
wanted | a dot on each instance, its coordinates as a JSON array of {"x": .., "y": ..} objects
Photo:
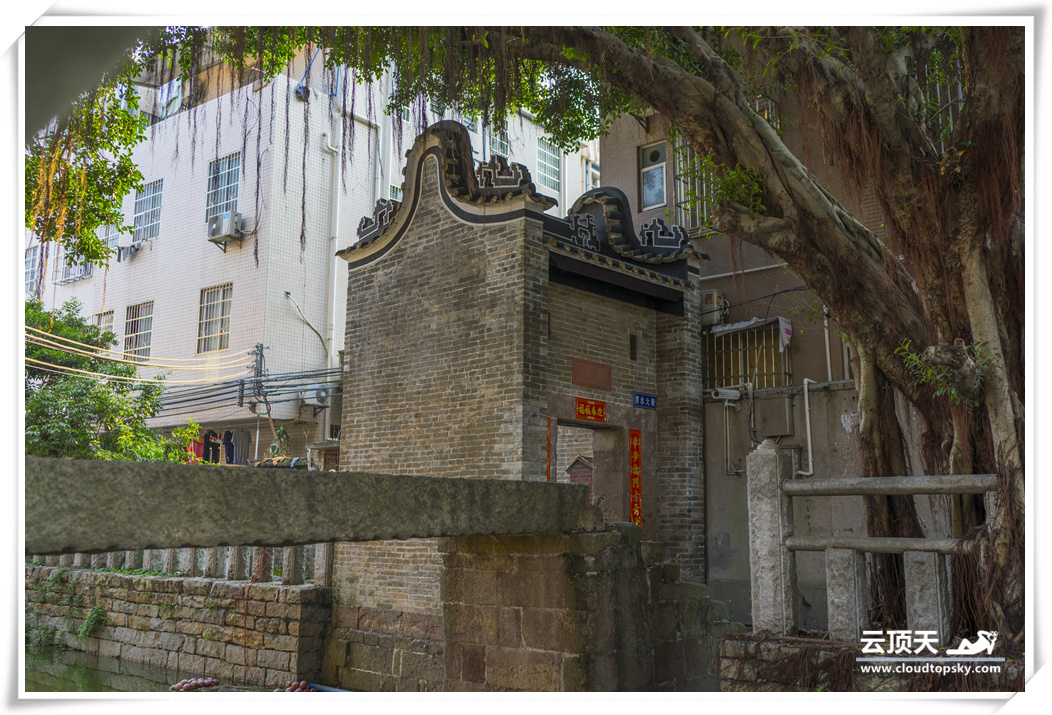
[{"x": 937, "y": 668}]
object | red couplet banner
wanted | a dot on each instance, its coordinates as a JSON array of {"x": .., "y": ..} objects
[{"x": 635, "y": 476}]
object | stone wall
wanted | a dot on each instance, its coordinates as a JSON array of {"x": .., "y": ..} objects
[
  {"x": 581, "y": 612},
  {"x": 376, "y": 650},
  {"x": 270, "y": 635}
]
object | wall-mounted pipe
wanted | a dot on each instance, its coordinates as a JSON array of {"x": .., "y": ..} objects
[
  {"x": 807, "y": 419},
  {"x": 829, "y": 360}
]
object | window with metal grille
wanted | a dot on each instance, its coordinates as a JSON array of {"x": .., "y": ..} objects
[
  {"x": 147, "y": 219},
  {"x": 395, "y": 192},
  {"x": 651, "y": 176},
  {"x": 138, "y": 327},
  {"x": 109, "y": 236},
  {"x": 32, "y": 269},
  {"x": 693, "y": 187},
  {"x": 549, "y": 163},
  {"x": 104, "y": 321},
  {"x": 754, "y": 354},
  {"x": 72, "y": 271},
  {"x": 498, "y": 144},
  {"x": 768, "y": 109},
  {"x": 213, "y": 325},
  {"x": 222, "y": 186},
  {"x": 942, "y": 92}
]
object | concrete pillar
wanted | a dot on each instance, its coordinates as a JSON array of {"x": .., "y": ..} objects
[
  {"x": 80, "y": 561},
  {"x": 928, "y": 594},
  {"x": 170, "y": 561},
  {"x": 211, "y": 563},
  {"x": 847, "y": 594},
  {"x": 773, "y": 566},
  {"x": 236, "y": 563},
  {"x": 292, "y": 566},
  {"x": 133, "y": 559},
  {"x": 97, "y": 560},
  {"x": 323, "y": 554},
  {"x": 114, "y": 559}
]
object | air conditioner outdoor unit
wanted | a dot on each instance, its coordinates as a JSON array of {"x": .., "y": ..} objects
[
  {"x": 713, "y": 307},
  {"x": 224, "y": 228}
]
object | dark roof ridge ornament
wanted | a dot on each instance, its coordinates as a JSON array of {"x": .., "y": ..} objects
[{"x": 611, "y": 215}]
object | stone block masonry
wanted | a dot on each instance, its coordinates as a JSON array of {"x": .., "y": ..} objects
[
  {"x": 266, "y": 636},
  {"x": 579, "y": 612}
]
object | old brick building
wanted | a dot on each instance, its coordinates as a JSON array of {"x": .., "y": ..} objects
[{"x": 482, "y": 330}]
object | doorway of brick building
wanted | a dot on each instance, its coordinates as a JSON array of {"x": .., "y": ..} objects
[{"x": 594, "y": 456}]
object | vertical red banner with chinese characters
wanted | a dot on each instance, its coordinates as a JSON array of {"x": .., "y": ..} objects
[
  {"x": 549, "y": 451},
  {"x": 635, "y": 476}
]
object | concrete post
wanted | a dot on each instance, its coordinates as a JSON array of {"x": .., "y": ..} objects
[
  {"x": 323, "y": 554},
  {"x": 133, "y": 559},
  {"x": 211, "y": 563},
  {"x": 847, "y": 594},
  {"x": 235, "y": 563},
  {"x": 80, "y": 561},
  {"x": 170, "y": 561},
  {"x": 114, "y": 559},
  {"x": 773, "y": 566},
  {"x": 292, "y": 566},
  {"x": 98, "y": 561},
  {"x": 928, "y": 594}
]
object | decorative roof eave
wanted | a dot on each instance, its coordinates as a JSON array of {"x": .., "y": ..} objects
[
  {"x": 620, "y": 266},
  {"x": 495, "y": 192}
]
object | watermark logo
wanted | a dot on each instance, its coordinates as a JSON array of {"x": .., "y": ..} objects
[
  {"x": 984, "y": 642},
  {"x": 917, "y": 652}
]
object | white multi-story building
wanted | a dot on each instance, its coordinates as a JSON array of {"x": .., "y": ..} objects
[{"x": 246, "y": 198}]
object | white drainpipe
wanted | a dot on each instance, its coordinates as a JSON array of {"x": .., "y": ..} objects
[
  {"x": 334, "y": 227},
  {"x": 807, "y": 417}
]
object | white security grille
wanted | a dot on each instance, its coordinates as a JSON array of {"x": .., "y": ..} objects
[
  {"x": 104, "y": 321},
  {"x": 138, "y": 327},
  {"x": 548, "y": 163},
  {"x": 498, "y": 144},
  {"x": 222, "y": 186},
  {"x": 213, "y": 325},
  {"x": 32, "y": 267},
  {"x": 147, "y": 219}
]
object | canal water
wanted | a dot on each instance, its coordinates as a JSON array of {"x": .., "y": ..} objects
[{"x": 52, "y": 670}]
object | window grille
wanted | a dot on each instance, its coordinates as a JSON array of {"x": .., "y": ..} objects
[
  {"x": 548, "y": 163},
  {"x": 147, "y": 221},
  {"x": 943, "y": 95},
  {"x": 32, "y": 269},
  {"x": 213, "y": 326},
  {"x": 753, "y": 355},
  {"x": 72, "y": 271},
  {"x": 109, "y": 236},
  {"x": 222, "y": 186},
  {"x": 395, "y": 192},
  {"x": 138, "y": 326},
  {"x": 694, "y": 188},
  {"x": 104, "y": 321},
  {"x": 768, "y": 109},
  {"x": 498, "y": 144}
]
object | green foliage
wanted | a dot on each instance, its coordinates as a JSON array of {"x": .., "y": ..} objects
[
  {"x": 943, "y": 378},
  {"x": 97, "y": 416},
  {"x": 79, "y": 169},
  {"x": 280, "y": 446},
  {"x": 96, "y": 619}
]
